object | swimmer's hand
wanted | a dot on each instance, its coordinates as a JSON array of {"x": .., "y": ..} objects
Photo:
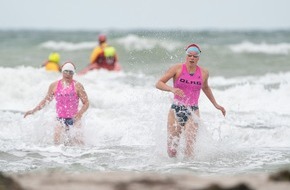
[
  {"x": 178, "y": 92},
  {"x": 30, "y": 112},
  {"x": 78, "y": 117},
  {"x": 222, "y": 109}
]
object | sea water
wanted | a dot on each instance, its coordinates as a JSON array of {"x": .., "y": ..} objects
[{"x": 125, "y": 127}]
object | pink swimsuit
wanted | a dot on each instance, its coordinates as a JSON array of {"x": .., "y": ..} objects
[
  {"x": 191, "y": 86},
  {"x": 67, "y": 100}
]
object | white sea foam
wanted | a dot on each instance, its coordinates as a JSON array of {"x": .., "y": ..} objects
[
  {"x": 67, "y": 46},
  {"x": 121, "y": 100},
  {"x": 129, "y": 42},
  {"x": 134, "y": 42},
  {"x": 127, "y": 114},
  {"x": 266, "y": 48}
]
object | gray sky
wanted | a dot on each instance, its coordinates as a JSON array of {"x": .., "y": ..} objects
[{"x": 144, "y": 14}]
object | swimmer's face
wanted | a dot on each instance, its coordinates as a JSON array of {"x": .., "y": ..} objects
[
  {"x": 192, "y": 57},
  {"x": 67, "y": 74}
]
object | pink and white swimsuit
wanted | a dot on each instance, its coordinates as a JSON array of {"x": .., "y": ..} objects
[{"x": 67, "y": 100}]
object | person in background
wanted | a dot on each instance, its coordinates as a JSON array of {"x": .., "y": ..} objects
[
  {"x": 103, "y": 56},
  {"x": 52, "y": 64},
  {"x": 67, "y": 93},
  {"x": 188, "y": 80}
]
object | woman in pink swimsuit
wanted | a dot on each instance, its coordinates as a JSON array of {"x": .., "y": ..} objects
[
  {"x": 188, "y": 80},
  {"x": 67, "y": 93}
]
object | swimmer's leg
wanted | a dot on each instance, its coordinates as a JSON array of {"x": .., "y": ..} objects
[
  {"x": 78, "y": 138},
  {"x": 58, "y": 131},
  {"x": 173, "y": 134},
  {"x": 191, "y": 128}
]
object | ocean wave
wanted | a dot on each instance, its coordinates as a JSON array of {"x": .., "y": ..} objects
[
  {"x": 134, "y": 42},
  {"x": 248, "y": 93},
  {"x": 249, "y": 47},
  {"x": 67, "y": 46},
  {"x": 129, "y": 42},
  {"x": 134, "y": 114}
]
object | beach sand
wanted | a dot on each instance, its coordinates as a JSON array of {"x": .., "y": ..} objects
[{"x": 140, "y": 181}]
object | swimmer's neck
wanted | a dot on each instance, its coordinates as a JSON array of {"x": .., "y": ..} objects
[
  {"x": 67, "y": 81},
  {"x": 191, "y": 68}
]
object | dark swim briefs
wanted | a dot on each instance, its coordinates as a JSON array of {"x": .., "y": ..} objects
[
  {"x": 183, "y": 112},
  {"x": 66, "y": 122}
]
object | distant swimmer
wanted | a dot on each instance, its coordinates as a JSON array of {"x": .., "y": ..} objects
[
  {"x": 188, "y": 80},
  {"x": 52, "y": 64},
  {"x": 67, "y": 93},
  {"x": 103, "y": 56}
]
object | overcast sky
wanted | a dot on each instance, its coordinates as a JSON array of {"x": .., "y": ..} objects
[{"x": 145, "y": 14}]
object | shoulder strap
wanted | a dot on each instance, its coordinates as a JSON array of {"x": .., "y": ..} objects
[{"x": 184, "y": 70}]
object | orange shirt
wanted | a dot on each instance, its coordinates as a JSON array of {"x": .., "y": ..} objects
[
  {"x": 96, "y": 52},
  {"x": 52, "y": 66}
]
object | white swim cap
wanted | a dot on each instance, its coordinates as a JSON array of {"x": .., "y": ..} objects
[{"x": 68, "y": 66}]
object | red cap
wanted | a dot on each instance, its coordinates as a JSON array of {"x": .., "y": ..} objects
[{"x": 102, "y": 38}]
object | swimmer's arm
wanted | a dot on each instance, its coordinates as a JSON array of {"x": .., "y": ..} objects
[
  {"x": 208, "y": 92},
  {"x": 48, "y": 98},
  {"x": 161, "y": 83},
  {"x": 84, "y": 98}
]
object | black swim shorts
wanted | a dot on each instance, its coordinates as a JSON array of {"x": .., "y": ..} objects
[
  {"x": 66, "y": 122},
  {"x": 183, "y": 112}
]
